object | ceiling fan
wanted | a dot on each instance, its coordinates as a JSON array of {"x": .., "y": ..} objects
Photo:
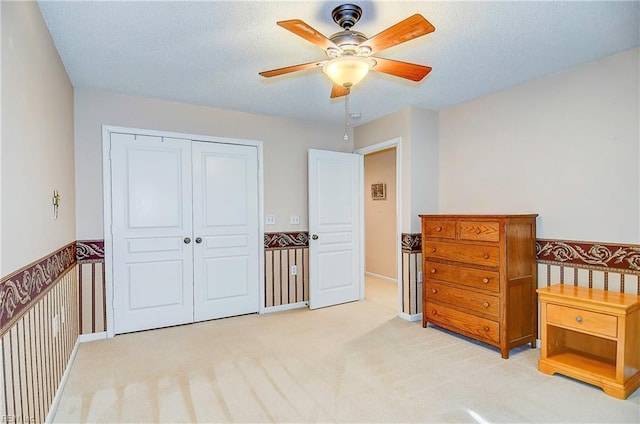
[{"x": 350, "y": 52}]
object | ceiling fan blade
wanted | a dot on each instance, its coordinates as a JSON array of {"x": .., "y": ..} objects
[
  {"x": 411, "y": 71},
  {"x": 289, "y": 69},
  {"x": 413, "y": 27},
  {"x": 303, "y": 30},
  {"x": 338, "y": 91}
]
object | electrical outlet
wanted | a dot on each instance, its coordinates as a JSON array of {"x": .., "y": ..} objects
[
  {"x": 295, "y": 219},
  {"x": 419, "y": 276},
  {"x": 270, "y": 219},
  {"x": 294, "y": 270},
  {"x": 54, "y": 326}
]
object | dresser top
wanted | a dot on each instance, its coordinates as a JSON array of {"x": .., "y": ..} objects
[{"x": 478, "y": 216}]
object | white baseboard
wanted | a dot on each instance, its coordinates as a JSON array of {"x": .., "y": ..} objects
[
  {"x": 381, "y": 277},
  {"x": 286, "y": 307},
  {"x": 412, "y": 318},
  {"x": 63, "y": 381},
  {"x": 83, "y": 338}
]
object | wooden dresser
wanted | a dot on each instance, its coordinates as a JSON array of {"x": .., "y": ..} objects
[
  {"x": 591, "y": 335},
  {"x": 480, "y": 277}
]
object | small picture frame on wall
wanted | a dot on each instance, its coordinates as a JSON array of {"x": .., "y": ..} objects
[{"x": 379, "y": 191}]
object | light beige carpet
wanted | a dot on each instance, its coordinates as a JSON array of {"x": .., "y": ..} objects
[{"x": 355, "y": 362}]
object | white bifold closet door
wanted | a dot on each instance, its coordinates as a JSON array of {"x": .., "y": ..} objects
[{"x": 184, "y": 229}]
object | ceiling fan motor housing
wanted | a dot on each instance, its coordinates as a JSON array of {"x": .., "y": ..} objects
[{"x": 348, "y": 40}]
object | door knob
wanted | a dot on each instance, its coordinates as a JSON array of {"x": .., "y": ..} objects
[
  {"x": 198, "y": 240},
  {"x": 187, "y": 240},
  {"x": 314, "y": 237}
]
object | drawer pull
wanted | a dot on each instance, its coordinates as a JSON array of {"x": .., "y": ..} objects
[
  {"x": 485, "y": 328},
  {"x": 485, "y": 280},
  {"x": 433, "y": 270},
  {"x": 434, "y": 291},
  {"x": 579, "y": 318},
  {"x": 433, "y": 249},
  {"x": 438, "y": 229},
  {"x": 485, "y": 304},
  {"x": 434, "y": 312},
  {"x": 486, "y": 256},
  {"x": 477, "y": 230}
]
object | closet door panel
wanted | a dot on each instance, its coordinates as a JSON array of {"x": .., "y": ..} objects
[
  {"x": 151, "y": 213},
  {"x": 225, "y": 222}
]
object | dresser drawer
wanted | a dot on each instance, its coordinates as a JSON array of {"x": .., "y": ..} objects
[
  {"x": 440, "y": 229},
  {"x": 473, "y": 326},
  {"x": 472, "y": 277},
  {"x": 477, "y": 255},
  {"x": 478, "y": 302},
  {"x": 482, "y": 231},
  {"x": 581, "y": 320}
]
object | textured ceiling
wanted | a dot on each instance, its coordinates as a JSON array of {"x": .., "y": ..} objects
[{"x": 210, "y": 52}]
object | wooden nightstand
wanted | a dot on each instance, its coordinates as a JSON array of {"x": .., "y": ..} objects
[{"x": 591, "y": 335}]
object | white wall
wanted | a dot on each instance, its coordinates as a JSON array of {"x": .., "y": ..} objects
[
  {"x": 286, "y": 143},
  {"x": 418, "y": 129},
  {"x": 424, "y": 164},
  {"x": 565, "y": 146},
  {"x": 37, "y": 140}
]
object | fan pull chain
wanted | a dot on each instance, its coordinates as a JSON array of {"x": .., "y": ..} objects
[{"x": 346, "y": 117}]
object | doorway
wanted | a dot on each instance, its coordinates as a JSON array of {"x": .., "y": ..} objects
[{"x": 382, "y": 236}]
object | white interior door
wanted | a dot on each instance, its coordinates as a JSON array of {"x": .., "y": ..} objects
[
  {"x": 335, "y": 274},
  {"x": 226, "y": 223},
  {"x": 151, "y": 226}
]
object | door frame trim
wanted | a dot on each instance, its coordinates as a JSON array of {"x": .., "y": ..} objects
[
  {"x": 107, "y": 130},
  {"x": 397, "y": 143}
]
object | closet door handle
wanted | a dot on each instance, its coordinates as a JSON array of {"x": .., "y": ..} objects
[
  {"x": 198, "y": 240},
  {"x": 314, "y": 237},
  {"x": 187, "y": 240}
]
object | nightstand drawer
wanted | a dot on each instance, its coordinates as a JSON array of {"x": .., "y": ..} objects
[
  {"x": 440, "y": 229},
  {"x": 476, "y": 255},
  {"x": 463, "y": 298},
  {"x": 472, "y": 277},
  {"x": 581, "y": 320},
  {"x": 482, "y": 231}
]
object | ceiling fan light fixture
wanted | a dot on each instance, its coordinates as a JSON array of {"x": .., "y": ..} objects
[{"x": 347, "y": 71}]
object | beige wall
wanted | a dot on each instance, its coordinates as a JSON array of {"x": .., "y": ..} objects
[
  {"x": 566, "y": 146},
  {"x": 380, "y": 215},
  {"x": 285, "y": 149},
  {"x": 418, "y": 130},
  {"x": 37, "y": 140}
]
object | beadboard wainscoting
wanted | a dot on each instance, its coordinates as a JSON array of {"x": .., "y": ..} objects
[
  {"x": 282, "y": 251},
  {"x": 38, "y": 332},
  {"x": 411, "y": 269},
  {"x": 605, "y": 266},
  {"x": 590, "y": 264},
  {"x": 92, "y": 287}
]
